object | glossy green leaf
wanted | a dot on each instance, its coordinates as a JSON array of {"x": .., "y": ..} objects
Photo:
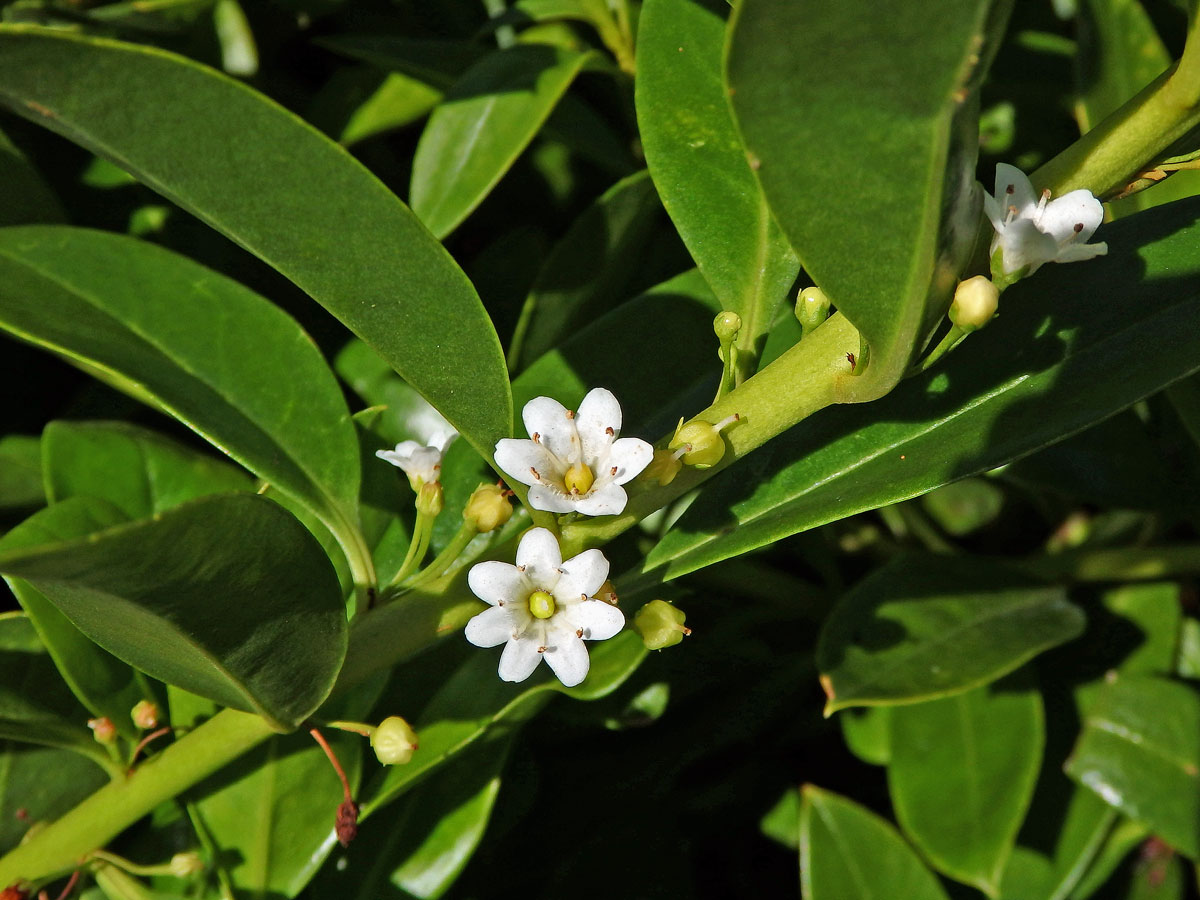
[
  {"x": 392, "y": 101},
  {"x": 1140, "y": 751},
  {"x": 847, "y": 851},
  {"x": 475, "y": 702},
  {"x": 1149, "y": 618},
  {"x": 962, "y": 773},
  {"x": 27, "y": 198},
  {"x": 860, "y": 121},
  {"x": 1120, "y": 842},
  {"x": 277, "y": 187},
  {"x": 1056, "y": 362},
  {"x": 484, "y": 122},
  {"x": 193, "y": 343},
  {"x": 921, "y": 628},
  {"x": 39, "y": 784},
  {"x": 227, "y": 596},
  {"x": 964, "y": 506},
  {"x": 782, "y": 821},
  {"x": 700, "y": 169},
  {"x": 588, "y": 271},
  {"x": 21, "y": 472},
  {"x": 867, "y": 733}
]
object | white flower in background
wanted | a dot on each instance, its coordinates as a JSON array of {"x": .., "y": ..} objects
[
  {"x": 575, "y": 461},
  {"x": 422, "y": 463},
  {"x": 542, "y": 608},
  {"x": 1031, "y": 231}
]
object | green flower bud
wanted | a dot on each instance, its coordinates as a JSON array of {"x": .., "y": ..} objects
[
  {"x": 103, "y": 730},
  {"x": 700, "y": 443},
  {"x": 727, "y": 324},
  {"x": 394, "y": 741},
  {"x": 429, "y": 498},
  {"x": 812, "y": 308},
  {"x": 975, "y": 303},
  {"x": 488, "y": 508},
  {"x": 185, "y": 865},
  {"x": 145, "y": 715},
  {"x": 660, "y": 624},
  {"x": 663, "y": 468}
]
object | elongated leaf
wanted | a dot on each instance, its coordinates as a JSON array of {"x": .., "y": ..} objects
[
  {"x": 847, "y": 851},
  {"x": 920, "y": 628},
  {"x": 860, "y": 121},
  {"x": 27, "y": 198},
  {"x": 699, "y": 166},
  {"x": 227, "y": 596},
  {"x": 195, "y": 344},
  {"x": 961, "y": 775},
  {"x": 20, "y": 472},
  {"x": 480, "y": 128},
  {"x": 1140, "y": 751},
  {"x": 39, "y": 784},
  {"x": 268, "y": 181},
  {"x": 1056, "y": 362}
]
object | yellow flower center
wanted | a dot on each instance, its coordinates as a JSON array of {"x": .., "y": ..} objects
[
  {"x": 578, "y": 479},
  {"x": 541, "y": 604}
]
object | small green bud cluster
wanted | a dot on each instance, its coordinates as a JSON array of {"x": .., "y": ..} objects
[
  {"x": 145, "y": 715},
  {"x": 660, "y": 624},
  {"x": 975, "y": 302},
  {"x": 488, "y": 508},
  {"x": 812, "y": 309},
  {"x": 394, "y": 741},
  {"x": 430, "y": 498},
  {"x": 103, "y": 730}
]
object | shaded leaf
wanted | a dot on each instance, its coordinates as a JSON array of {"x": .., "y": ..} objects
[
  {"x": 44, "y": 783},
  {"x": 21, "y": 472}
]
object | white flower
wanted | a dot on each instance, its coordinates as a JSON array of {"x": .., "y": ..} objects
[
  {"x": 421, "y": 463},
  {"x": 1032, "y": 231},
  {"x": 542, "y": 608},
  {"x": 575, "y": 462}
]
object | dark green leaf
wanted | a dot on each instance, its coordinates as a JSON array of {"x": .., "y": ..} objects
[
  {"x": 277, "y": 187},
  {"x": 961, "y": 775},
  {"x": 700, "y": 168},
  {"x": 1140, "y": 751},
  {"x": 847, "y": 851},
  {"x": 1054, "y": 363},
  {"x": 1150, "y": 615},
  {"x": 227, "y": 596},
  {"x": 921, "y": 628},
  {"x": 484, "y": 122},
  {"x": 27, "y": 198},
  {"x": 21, "y": 473},
  {"x": 44, "y": 783}
]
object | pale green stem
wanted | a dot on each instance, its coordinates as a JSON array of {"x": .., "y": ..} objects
[
  {"x": 615, "y": 33},
  {"x": 444, "y": 560},
  {"x": 417, "y": 548},
  {"x": 118, "y": 885},
  {"x": 129, "y": 866},
  {"x": 948, "y": 343}
]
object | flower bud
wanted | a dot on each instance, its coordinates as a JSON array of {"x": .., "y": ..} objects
[
  {"x": 185, "y": 865},
  {"x": 975, "y": 303},
  {"x": 145, "y": 715},
  {"x": 663, "y": 468},
  {"x": 488, "y": 508},
  {"x": 701, "y": 443},
  {"x": 727, "y": 324},
  {"x": 812, "y": 308},
  {"x": 103, "y": 730},
  {"x": 394, "y": 741},
  {"x": 660, "y": 624},
  {"x": 429, "y": 498}
]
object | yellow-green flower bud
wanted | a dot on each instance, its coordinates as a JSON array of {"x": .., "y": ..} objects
[
  {"x": 975, "y": 303},
  {"x": 660, "y": 624},
  {"x": 663, "y": 468},
  {"x": 185, "y": 865},
  {"x": 429, "y": 498},
  {"x": 727, "y": 324},
  {"x": 812, "y": 308},
  {"x": 488, "y": 508},
  {"x": 394, "y": 741},
  {"x": 103, "y": 730},
  {"x": 145, "y": 715},
  {"x": 700, "y": 443}
]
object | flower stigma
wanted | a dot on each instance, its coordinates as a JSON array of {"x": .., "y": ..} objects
[{"x": 541, "y": 604}]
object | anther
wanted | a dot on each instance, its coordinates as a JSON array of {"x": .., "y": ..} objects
[
  {"x": 612, "y": 471},
  {"x": 1011, "y": 189},
  {"x": 609, "y": 431},
  {"x": 536, "y": 437},
  {"x": 520, "y": 568},
  {"x": 579, "y": 633},
  {"x": 536, "y": 476},
  {"x": 541, "y": 649},
  {"x": 570, "y": 413},
  {"x": 1078, "y": 227}
]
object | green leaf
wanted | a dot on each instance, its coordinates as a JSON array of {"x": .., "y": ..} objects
[
  {"x": 867, "y": 733},
  {"x": 847, "y": 851},
  {"x": 1055, "y": 363},
  {"x": 860, "y": 120},
  {"x": 699, "y": 166},
  {"x": 195, "y": 344},
  {"x": 1140, "y": 751},
  {"x": 962, "y": 773},
  {"x": 27, "y": 198},
  {"x": 21, "y": 472},
  {"x": 228, "y": 596},
  {"x": 921, "y": 628},
  {"x": 1148, "y": 621},
  {"x": 481, "y": 126},
  {"x": 39, "y": 784},
  {"x": 277, "y": 187},
  {"x": 782, "y": 821}
]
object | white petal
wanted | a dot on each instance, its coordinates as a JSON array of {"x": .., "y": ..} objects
[
  {"x": 551, "y": 499},
  {"x": 490, "y": 628},
  {"x": 598, "y": 412},
  {"x": 599, "y": 620},
  {"x": 401, "y": 455},
  {"x": 630, "y": 456},
  {"x": 497, "y": 582},
  {"x": 442, "y": 439},
  {"x": 994, "y": 211},
  {"x": 1076, "y": 208},
  {"x": 1080, "y": 252},
  {"x": 568, "y": 658},
  {"x": 519, "y": 659},
  {"x": 539, "y": 556},
  {"x": 1025, "y": 245},
  {"x": 519, "y": 458},
  {"x": 1022, "y": 196},
  {"x": 609, "y": 500},
  {"x": 582, "y": 575},
  {"x": 548, "y": 419}
]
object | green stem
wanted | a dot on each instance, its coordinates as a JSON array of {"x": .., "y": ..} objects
[
  {"x": 1117, "y": 564},
  {"x": 417, "y": 548},
  {"x": 129, "y": 866},
  {"x": 948, "y": 343},
  {"x": 451, "y": 552}
]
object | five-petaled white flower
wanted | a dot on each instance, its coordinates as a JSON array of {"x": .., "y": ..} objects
[
  {"x": 422, "y": 463},
  {"x": 542, "y": 608},
  {"x": 1031, "y": 231},
  {"x": 575, "y": 461}
]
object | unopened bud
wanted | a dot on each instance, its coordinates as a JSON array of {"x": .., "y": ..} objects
[
  {"x": 185, "y": 865},
  {"x": 700, "y": 443},
  {"x": 103, "y": 730},
  {"x": 145, "y": 715},
  {"x": 660, "y": 624},
  {"x": 727, "y": 324},
  {"x": 812, "y": 309},
  {"x": 488, "y": 508},
  {"x": 394, "y": 741},
  {"x": 975, "y": 303},
  {"x": 663, "y": 468},
  {"x": 429, "y": 498}
]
